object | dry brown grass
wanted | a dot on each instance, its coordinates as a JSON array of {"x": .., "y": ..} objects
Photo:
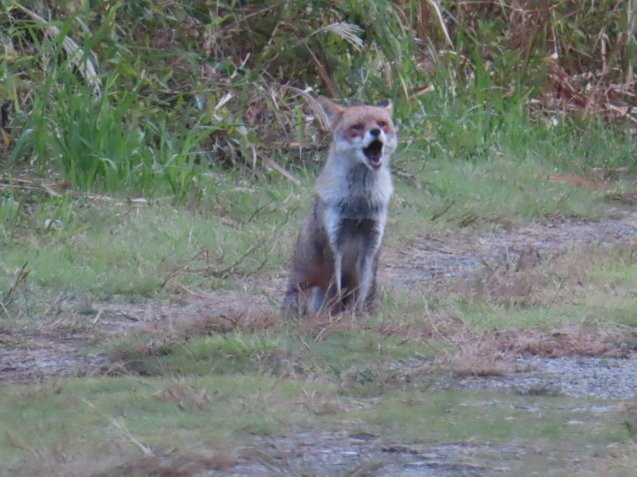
[
  {"x": 321, "y": 325},
  {"x": 175, "y": 464},
  {"x": 185, "y": 395},
  {"x": 529, "y": 279},
  {"x": 320, "y": 403},
  {"x": 478, "y": 355},
  {"x": 166, "y": 325},
  {"x": 526, "y": 278},
  {"x": 487, "y": 353},
  {"x": 246, "y": 321},
  {"x": 569, "y": 340}
]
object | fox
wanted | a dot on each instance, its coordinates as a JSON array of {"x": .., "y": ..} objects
[{"x": 337, "y": 250}]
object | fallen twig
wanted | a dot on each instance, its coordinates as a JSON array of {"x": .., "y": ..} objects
[
  {"x": 265, "y": 158},
  {"x": 22, "y": 276}
]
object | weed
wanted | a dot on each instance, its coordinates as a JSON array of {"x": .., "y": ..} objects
[
  {"x": 9, "y": 215},
  {"x": 185, "y": 396},
  {"x": 21, "y": 276}
]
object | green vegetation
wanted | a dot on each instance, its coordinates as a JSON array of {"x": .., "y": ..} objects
[
  {"x": 153, "y": 102},
  {"x": 156, "y": 159},
  {"x": 191, "y": 415}
]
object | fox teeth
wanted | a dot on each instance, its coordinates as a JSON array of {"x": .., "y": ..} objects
[{"x": 374, "y": 153}]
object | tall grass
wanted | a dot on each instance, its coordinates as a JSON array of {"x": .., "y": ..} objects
[
  {"x": 112, "y": 142},
  {"x": 187, "y": 87}
]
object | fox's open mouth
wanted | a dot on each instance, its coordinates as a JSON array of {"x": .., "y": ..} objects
[{"x": 374, "y": 153}]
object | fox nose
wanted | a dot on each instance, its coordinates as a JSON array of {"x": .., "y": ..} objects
[{"x": 375, "y": 132}]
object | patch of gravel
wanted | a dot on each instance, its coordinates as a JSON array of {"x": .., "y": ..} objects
[
  {"x": 575, "y": 376},
  {"x": 38, "y": 357},
  {"x": 325, "y": 454}
]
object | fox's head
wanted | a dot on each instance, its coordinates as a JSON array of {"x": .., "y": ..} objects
[{"x": 365, "y": 134}]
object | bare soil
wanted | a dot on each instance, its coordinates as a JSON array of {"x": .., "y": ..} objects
[{"x": 453, "y": 256}]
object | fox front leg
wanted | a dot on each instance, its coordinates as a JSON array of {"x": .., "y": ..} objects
[
  {"x": 338, "y": 274},
  {"x": 366, "y": 277},
  {"x": 367, "y": 272},
  {"x": 366, "y": 264}
]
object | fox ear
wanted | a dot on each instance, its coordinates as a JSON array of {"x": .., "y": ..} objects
[
  {"x": 332, "y": 110},
  {"x": 387, "y": 104}
]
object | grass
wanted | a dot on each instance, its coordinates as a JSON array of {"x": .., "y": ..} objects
[
  {"x": 562, "y": 291},
  {"x": 496, "y": 194},
  {"x": 148, "y": 210},
  {"x": 118, "y": 246},
  {"x": 180, "y": 295},
  {"x": 128, "y": 419},
  {"x": 160, "y": 114},
  {"x": 211, "y": 387},
  {"x": 134, "y": 248}
]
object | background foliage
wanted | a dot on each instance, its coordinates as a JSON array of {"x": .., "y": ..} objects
[{"x": 165, "y": 96}]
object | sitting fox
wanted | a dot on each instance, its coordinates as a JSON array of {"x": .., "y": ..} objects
[{"x": 336, "y": 253}]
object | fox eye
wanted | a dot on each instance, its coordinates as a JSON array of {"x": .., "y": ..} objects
[
  {"x": 358, "y": 127},
  {"x": 382, "y": 124}
]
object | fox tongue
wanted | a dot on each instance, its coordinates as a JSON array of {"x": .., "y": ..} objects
[{"x": 374, "y": 153}]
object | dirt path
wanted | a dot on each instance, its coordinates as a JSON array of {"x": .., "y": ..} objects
[{"x": 454, "y": 256}]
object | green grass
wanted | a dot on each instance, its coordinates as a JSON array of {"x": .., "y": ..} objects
[
  {"x": 96, "y": 408},
  {"x": 498, "y": 192},
  {"x": 196, "y": 350},
  {"x": 134, "y": 249},
  {"x": 170, "y": 113},
  {"x": 125, "y": 416},
  {"x": 116, "y": 247}
]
